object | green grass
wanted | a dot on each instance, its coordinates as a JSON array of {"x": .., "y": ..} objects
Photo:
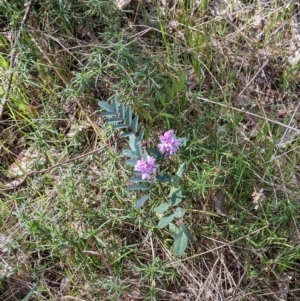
[{"x": 72, "y": 232}]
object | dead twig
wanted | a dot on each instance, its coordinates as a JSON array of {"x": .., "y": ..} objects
[{"x": 13, "y": 57}]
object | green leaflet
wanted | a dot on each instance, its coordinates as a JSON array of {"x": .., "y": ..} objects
[
  {"x": 142, "y": 201},
  {"x": 121, "y": 126},
  {"x": 128, "y": 115},
  {"x": 162, "y": 208},
  {"x": 180, "y": 243},
  {"x": 130, "y": 153},
  {"x": 122, "y": 111},
  {"x": 135, "y": 123},
  {"x": 115, "y": 105},
  {"x": 107, "y": 107},
  {"x": 187, "y": 232},
  {"x": 179, "y": 212},
  {"x": 126, "y": 134},
  {"x": 175, "y": 195},
  {"x": 179, "y": 174},
  {"x": 114, "y": 120},
  {"x": 166, "y": 220}
]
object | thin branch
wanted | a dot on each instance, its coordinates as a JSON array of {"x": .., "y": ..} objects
[{"x": 13, "y": 58}]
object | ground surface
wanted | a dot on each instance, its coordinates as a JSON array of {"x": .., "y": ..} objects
[{"x": 223, "y": 74}]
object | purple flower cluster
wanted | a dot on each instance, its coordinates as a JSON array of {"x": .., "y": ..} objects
[
  {"x": 168, "y": 143},
  {"x": 146, "y": 167},
  {"x": 168, "y": 146}
]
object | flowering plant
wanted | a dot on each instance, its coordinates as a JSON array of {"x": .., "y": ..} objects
[{"x": 146, "y": 164}]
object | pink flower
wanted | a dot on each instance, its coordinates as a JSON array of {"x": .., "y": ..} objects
[
  {"x": 168, "y": 143},
  {"x": 147, "y": 168}
]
